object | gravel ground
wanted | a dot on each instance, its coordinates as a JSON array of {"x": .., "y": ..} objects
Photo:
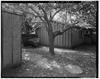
[{"x": 83, "y": 56}]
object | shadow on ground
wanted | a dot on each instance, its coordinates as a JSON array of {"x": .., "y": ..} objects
[{"x": 37, "y": 62}]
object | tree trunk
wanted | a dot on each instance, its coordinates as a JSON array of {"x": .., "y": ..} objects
[
  {"x": 51, "y": 44},
  {"x": 51, "y": 39}
]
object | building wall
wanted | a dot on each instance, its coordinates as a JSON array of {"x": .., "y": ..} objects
[{"x": 11, "y": 40}]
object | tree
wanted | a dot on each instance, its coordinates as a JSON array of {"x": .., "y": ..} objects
[
  {"x": 46, "y": 13},
  {"x": 48, "y": 17}
]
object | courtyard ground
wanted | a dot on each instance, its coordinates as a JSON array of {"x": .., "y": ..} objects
[{"x": 37, "y": 62}]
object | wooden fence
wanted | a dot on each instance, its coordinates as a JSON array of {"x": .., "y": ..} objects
[{"x": 69, "y": 39}]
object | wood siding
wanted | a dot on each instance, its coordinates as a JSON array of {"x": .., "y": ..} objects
[{"x": 11, "y": 40}]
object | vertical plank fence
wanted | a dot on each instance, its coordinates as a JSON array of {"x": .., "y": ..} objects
[{"x": 69, "y": 39}]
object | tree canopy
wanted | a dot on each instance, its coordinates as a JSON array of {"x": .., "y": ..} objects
[{"x": 69, "y": 11}]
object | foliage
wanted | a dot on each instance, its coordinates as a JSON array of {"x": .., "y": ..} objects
[
  {"x": 82, "y": 12},
  {"x": 77, "y": 9}
]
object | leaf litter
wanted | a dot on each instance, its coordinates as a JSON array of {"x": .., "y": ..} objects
[{"x": 39, "y": 63}]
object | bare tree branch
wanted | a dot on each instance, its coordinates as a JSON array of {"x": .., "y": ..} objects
[
  {"x": 36, "y": 13},
  {"x": 33, "y": 14},
  {"x": 50, "y": 14},
  {"x": 46, "y": 19},
  {"x": 45, "y": 14},
  {"x": 56, "y": 33},
  {"x": 56, "y": 13},
  {"x": 41, "y": 17}
]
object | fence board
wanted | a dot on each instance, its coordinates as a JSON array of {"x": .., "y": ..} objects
[
  {"x": 66, "y": 38},
  {"x": 69, "y": 38},
  {"x": 55, "y": 41}
]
